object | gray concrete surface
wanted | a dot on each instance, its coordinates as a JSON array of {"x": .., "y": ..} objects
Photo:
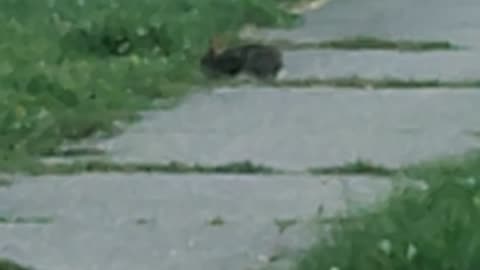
[
  {"x": 95, "y": 218},
  {"x": 378, "y": 64},
  {"x": 455, "y": 21},
  {"x": 426, "y": 20},
  {"x": 297, "y": 128}
]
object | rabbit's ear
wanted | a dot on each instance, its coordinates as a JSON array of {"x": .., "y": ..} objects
[{"x": 217, "y": 44}]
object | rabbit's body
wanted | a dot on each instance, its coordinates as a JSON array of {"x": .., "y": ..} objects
[
  {"x": 225, "y": 63},
  {"x": 262, "y": 61},
  {"x": 259, "y": 60}
]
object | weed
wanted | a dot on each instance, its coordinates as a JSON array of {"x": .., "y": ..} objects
[
  {"x": 283, "y": 224},
  {"x": 216, "y": 221}
]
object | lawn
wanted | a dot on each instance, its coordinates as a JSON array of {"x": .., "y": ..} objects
[
  {"x": 416, "y": 229},
  {"x": 72, "y": 68}
]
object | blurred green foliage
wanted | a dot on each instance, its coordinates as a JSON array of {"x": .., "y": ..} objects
[
  {"x": 435, "y": 227},
  {"x": 70, "y": 68}
]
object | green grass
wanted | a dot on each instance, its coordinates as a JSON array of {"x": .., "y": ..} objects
[
  {"x": 367, "y": 43},
  {"x": 7, "y": 264},
  {"x": 414, "y": 229},
  {"x": 69, "y": 70},
  {"x": 452, "y": 168}
]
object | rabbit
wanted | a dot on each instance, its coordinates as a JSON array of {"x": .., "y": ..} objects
[{"x": 261, "y": 61}]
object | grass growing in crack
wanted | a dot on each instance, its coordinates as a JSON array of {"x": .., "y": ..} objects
[
  {"x": 433, "y": 228},
  {"x": 474, "y": 133},
  {"x": 216, "y": 221},
  {"x": 75, "y": 152},
  {"x": 69, "y": 70},
  {"x": 5, "y": 182},
  {"x": 144, "y": 221},
  {"x": 284, "y": 224},
  {"x": 356, "y": 167},
  {"x": 26, "y": 220},
  {"x": 357, "y": 82},
  {"x": 367, "y": 43},
  {"x": 243, "y": 167},
  {"x": 7, "y": 264}
]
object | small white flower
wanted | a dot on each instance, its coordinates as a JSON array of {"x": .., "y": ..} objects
[
  {"x": 471, "y": 181},
  {"x": 369, "y": 87},
  {"x": 411, "y": 252},
  {"x": 476, "y": 201},
  {"x": 334, "y": 268},
  {"x": 141, "y": 31},
  {"x": 385, "y": 245},
  {"x": 43, "y": 113},
  {"x": 262, "y": 258}
]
